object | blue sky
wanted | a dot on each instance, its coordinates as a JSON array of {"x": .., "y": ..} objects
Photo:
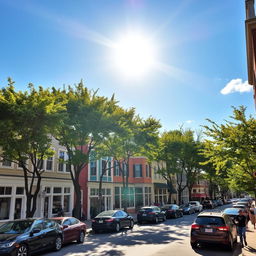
[{"x": 199, "y": 44}]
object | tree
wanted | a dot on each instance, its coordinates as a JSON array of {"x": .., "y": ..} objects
[
  {"x": 134, "y": 136},
  {"x": 26, "y": 122},
  {"x": 180, "y": 151},
  {"x": 232, "y": 147},
  {"x": 85, "y": 122}
]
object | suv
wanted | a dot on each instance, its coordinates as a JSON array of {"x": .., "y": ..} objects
[
  {"x": 150, "y": 214},
  {"x": 214, "y": 228}
]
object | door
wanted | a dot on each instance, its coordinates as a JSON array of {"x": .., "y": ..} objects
[
  {"x": 125, "y": 219},
  {"x": 17, "y": 208},
  {"x": 68, "y": 231}
]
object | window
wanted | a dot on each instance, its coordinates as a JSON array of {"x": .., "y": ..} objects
[
  {"x": 116, "y": 168},
  {"x": 40, "y": 164},
  {"x": 19, "y": 191},
  {"x": 147, "y": 194},
  {"x": 48, "y": 190},
  {"x": 147, "y": 171},
  {"x": 93, "y": 168},
  {"x": 56, "y": 204},
  {"x": 104, "y": 166},
  {"x": 5, "y": 190},
  {"x": 194, "y": 190},
  {"x": 125, "y": 168},
  {"x": 57, "y": 190},
  {"x": 129, "y": 197},
  {"x": 66, "y": 190},
  {"x": 61, "y": 161},
  {"x": 137, "y": 170},
  {"x": 49, "y": 163},
  {"x": 5, "y": 204},
  {"x": 109, "y": 168},
  {"x": 6, "y": 163},
  {"x": 66, "y": 206},
  {"x": 117, "y": 197}
]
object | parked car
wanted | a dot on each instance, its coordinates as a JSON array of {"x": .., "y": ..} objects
[
  {"x": 240, "y": 206},
  {"x": 188, "y": 208},
  {"x": 231, "y": 212},
  {"x": 172, "y": 211},
  {"x": 73, "y": 229},
  {"x": 23, "y": 237},
  {"x": 213, "y": 227},
  {"x": 215, "y": 203},
  {"x": 197, "y": 205},
  {"x": 150, "y": 214},
  {"x": 112, "y": 220},
  {"x": 219, "y": 202},
  {"x": 228, "y": 201},
  {"x": 245, "y": 203},
  {"x": 208, "y": 204}
]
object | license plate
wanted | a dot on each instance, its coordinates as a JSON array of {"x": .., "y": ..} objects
[
  {"x": 208, "y": 230},
  {"x": 144, "y": 214},
  {"x": 100, "y": 221}
]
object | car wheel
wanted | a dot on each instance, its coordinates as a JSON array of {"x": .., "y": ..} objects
[
  {"x": 156, "y": 220},
  {"x": 80, "y": 239},
  {"x": 58, "y": 243},
  {"x": 22, "y": 250},
  {"x": 131, "y": 224},
  {"x": 193, "y": 245},
  {"x": 117, "y": 227}
]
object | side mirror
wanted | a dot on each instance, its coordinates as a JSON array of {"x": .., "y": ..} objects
[{"x": 65, "y": 226}]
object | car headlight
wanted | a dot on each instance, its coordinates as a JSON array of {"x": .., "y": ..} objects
[{"x": 7, "y": 245}]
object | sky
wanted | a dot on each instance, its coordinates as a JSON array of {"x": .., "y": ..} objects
[{"x": 198, "y": 68}]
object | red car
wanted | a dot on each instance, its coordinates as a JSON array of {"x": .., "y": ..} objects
[{"x": 73, "y": 229}]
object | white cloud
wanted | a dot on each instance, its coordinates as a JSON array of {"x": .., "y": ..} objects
[
  {"x": 236, "y": 85},
  {"x": 190, "y": 121}
]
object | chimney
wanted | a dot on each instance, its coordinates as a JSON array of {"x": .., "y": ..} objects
[{"x": 249, "y": 6}]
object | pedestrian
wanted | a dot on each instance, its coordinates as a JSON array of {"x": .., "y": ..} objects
[
  {"x": 240, "y": 221},
  {"x": 252, "y": 214}
]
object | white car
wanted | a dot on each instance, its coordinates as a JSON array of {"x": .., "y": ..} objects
[{"x": 197, "y": 205}]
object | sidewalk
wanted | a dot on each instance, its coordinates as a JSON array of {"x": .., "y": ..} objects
[{"x": 250, "y": 249}]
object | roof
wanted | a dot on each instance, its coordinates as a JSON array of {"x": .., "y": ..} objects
[{"x": 214, "y": 214}]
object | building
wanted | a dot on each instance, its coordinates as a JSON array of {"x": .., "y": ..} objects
[
  {"x": 144, "y": 188},
  {"x": 200, "y": 190},
  {"x": 250, "y": 28},
  {"x": 56, "y": 188}
]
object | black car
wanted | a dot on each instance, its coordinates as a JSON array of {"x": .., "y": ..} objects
[
  {"x": 22, "y": 237},
  {"x": 172, "y": 211},
  {"x": 188, "y": 208},
  {"x": 112, "y": 220},
  {"x": 150, "y": 214}
]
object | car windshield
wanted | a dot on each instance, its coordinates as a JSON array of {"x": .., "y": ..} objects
[
  {"x": 208, "y": 220},
  {"x": 105, "y": 214},
  {"x": 16, "y": 227},
  {"x": 193, "y": 203}
]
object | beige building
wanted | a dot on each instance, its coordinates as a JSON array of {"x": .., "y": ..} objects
[
  {"x": 161, "y": 188},
  {"x": 56, "y": 188}
]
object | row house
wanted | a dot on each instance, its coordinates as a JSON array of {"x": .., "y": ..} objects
[
  {"x": 200, "y": 190},
  {"x": 56, "y": 188},
  {"x": 143, "y": 189}
]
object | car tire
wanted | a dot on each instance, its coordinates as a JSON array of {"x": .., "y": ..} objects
[
  {"x": 156, "y": 220},
  {"x": 131, "y": 224},
  {"x": 22, "y": 250},
  {"x": 80, "y": 239},
  {"x": 193, "y": 245},
  {"x": 57, "y": 243},
  {"x": 117, "y": 227},
  {"x": 231, "y": 244}
]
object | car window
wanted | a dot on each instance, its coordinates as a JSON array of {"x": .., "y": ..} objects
[
  {"x": 156, "y": 209},
  {"x": 124, "y": 214},
  {"x": 49, "y": 224},
  {"x": 74, "y": 221},
  {"x": 210, "y": 220},
  {"x": 39, "y": 224},
  {"x": 67, "y": 222},
  {"x": 146, "y": 210},
  {"x": 16, "y": 227}
]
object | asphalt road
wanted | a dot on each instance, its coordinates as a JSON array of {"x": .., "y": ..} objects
[{"x": 168, "y": 238}]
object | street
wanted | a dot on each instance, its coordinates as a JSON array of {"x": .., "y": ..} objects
[{"x": 168, "y": 238}]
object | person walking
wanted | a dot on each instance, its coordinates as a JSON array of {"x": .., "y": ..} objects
[
  {"x": 240, "y": 221},
  {"x": 252, "y": 214}
]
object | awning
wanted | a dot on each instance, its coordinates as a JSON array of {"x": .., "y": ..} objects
[{"x": 169, "y": 186}]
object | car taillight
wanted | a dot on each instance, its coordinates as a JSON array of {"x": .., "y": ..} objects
[
  {"x": 224, "y": 228},
  {"x": 195, "y": 226},
  {"x": 109, "y": 220},
  {"x": 151, "y": 213},
  {"x": 93, "y": 220}
]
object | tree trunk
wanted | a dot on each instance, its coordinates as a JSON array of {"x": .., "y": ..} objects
[
  {"x": 77, "y": 205},
  {"x": 170, "y": 198}
]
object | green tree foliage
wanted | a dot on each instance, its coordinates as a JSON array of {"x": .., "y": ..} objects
[
  {"x": 231, "y": 148},
  {"x": 133, "y": 136},
  {"x": 26, "y": 121},
  {"x": 86, "y": 121},
  {"x": 180, "y": 151}
]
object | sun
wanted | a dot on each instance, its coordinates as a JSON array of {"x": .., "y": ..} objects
[{"x": 134, "y": 55}]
